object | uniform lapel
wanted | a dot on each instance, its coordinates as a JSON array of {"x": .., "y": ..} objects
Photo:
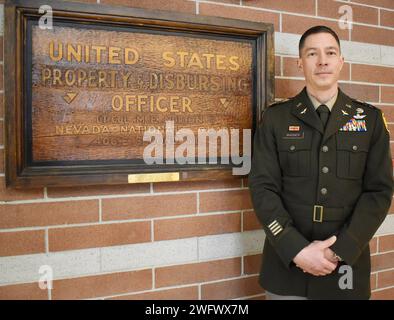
[
  {"x": 303, "y": 109},
  {"x": 342, "y": 111}
]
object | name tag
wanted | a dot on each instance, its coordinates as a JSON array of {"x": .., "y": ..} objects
[{"x": 294, "y": 135}]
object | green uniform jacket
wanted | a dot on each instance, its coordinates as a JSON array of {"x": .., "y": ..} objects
[{"x": 308, "y": 184}]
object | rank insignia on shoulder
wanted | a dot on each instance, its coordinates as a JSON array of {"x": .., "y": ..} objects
[
  {"x": 275, "y": 227},
  {"x": 354, "y": 125}
]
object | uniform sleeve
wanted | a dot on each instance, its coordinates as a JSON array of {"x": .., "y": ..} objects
[
  {"x": 374, "y": 202},
  {"x": 265, "y": 183}
]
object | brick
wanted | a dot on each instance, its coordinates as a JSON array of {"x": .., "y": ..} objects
[
  {"x": 290, "y": 68},
  {"x": 293, "y": 24},
  {"x": 373, "y": 35},
  {"x": 7, "y": 194},
  {"x": 252, "y": 264},
  {"x": 386, "y": 279},
  {"x": 196, "y": 185},
  {"x": 173, "y": 5},
  {"x": 1, "y": 48},
  {"x": 196, "y": 226},
  {"x": 373, "y": 244},
  {"x": 197, "y": 272},
  {"x": 250, "y": 221},
  {"x": 299, "y": 6},
  {"x": 185, "y": 293},
  {"x": 330, "y": 9},
  {"x": 391, "y": 128},
  {"x": 242, "y": 13},
  {"x": 104, "y": 235},
  {"x": 361, "y": 92},
  {"x": 149, "y": 206},
  {"x": 1, "y": 78},
  {"x": 377, "y": 74},
  {"x": 387, "y": 18},
  {"x": 387, "y": 94},
  {"x": 388, "y": 112},
  {"x": 1, "y": 105},
  {"x": 373, "y": 281},
  {"x": 392, "y": 153},
  {"x": 225, "y": 201},
  {"x": 386, "y": 243},
  {"x": 26, "y": 291},
  {"x": 1, "y": 132},
  {"x": 48, "y": 213},
  {"x": 277, "y": 66},
  {"x": 386, "y": 294},
  {"x": 378, "y": 3},
  {"x": 231, "y": 289},
  {"x": 102, "y": 285},
  {"x": 285, "y": 88},
  {"x": 60, "y": 192},
  {"x": 382, "y": 261},
  {"x": 1, "y": 160},
  {"x": 23, "y": 242}
]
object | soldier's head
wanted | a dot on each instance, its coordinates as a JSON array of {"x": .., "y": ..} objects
[{"x": 320, "y": 57}]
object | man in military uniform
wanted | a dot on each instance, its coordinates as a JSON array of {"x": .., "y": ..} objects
[{"x": 321, "y": 182}]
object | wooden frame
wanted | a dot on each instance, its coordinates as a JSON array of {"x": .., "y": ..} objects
[{"x": 20, "y": 173}]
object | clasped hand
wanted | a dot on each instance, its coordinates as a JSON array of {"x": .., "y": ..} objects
[{"x": 317, "y": 258}]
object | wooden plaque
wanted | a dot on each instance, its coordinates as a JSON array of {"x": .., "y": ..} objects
[{"x": 82, "y": 94}]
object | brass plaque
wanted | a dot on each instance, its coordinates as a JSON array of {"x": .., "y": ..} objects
[
  {"x": 153, "y": 177},
  {"x": 84, "y": 95}
]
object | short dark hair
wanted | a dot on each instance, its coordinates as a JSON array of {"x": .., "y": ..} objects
[{"x": 314, "y": 30}]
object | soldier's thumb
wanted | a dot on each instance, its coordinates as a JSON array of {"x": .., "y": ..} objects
[{"x": 329, "y": 242}]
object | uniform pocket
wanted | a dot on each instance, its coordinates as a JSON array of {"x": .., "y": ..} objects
[
  {"x": 295, "y": 157},
  {"x": 352, "y": 152}
]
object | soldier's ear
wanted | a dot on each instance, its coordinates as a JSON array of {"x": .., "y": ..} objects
[
  {"x": 299, "y": 63},
  {"x": 342, "y": 61}
]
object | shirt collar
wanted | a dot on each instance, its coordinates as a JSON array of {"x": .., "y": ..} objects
[{"x": 316, "y": 103}]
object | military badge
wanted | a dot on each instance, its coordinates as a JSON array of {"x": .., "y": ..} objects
[{"x": 359, "y": 114}]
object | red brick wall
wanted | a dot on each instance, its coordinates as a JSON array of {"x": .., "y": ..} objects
[{"x": 182, "y": 240}]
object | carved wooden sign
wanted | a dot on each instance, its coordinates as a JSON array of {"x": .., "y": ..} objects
[{"x": 98, "y": 82}]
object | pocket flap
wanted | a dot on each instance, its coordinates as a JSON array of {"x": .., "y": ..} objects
[
  {"x": 293, "y": 145},
  {"x": 352, "y": 143}
]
